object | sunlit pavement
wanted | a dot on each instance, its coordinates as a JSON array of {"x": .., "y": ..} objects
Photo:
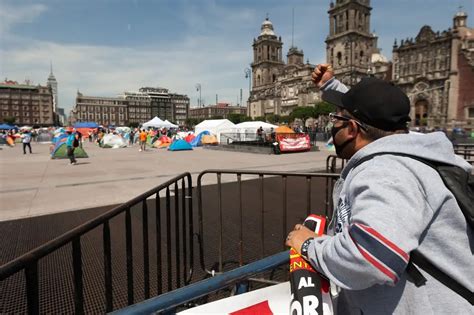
[{"x": 32, "y": 185}]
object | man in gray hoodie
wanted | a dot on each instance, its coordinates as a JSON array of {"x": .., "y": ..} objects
[{"x": 386, "y": 207}]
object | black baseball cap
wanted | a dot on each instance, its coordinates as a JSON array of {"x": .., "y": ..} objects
[{"x": 375, "y": 102}]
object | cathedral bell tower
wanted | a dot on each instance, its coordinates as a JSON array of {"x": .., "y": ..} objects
[
  {"x": 350, "y": 44},
  {"x": 267, "y": 56}
]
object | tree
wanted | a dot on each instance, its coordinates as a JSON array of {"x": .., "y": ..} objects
[
  {"x": 285, "y": 119},
  {"x": 238, "y": 118},
  {"x": 217, "y": 117},
  {"x": 323, "y": 108},
  {"x": 191, "y": 122},
  {"x": 273, "y": 118},
  {"x": 133, "y": 124},
  {"x": 259, "y": 118},
  {"x": 9, "y": 120},
  {"x": 303, "y": 113}
]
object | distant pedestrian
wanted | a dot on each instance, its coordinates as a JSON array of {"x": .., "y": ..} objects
[
  {"x": 260, "y": 134},
  {"x": 71, "y": 143},
  {"x": 26, "y": 140},
  {"x": 143, "y": 136},
  {"x": 131, "y": 137}
]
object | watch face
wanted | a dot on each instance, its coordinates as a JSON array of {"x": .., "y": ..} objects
[{"x": 304, "y": 247}]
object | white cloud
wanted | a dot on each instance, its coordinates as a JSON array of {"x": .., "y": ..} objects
[
  {"x": 108, "y": 71},
  {"x": 10, "y": 16}
]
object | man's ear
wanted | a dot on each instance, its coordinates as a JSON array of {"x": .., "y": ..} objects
[{"x": 352, "y": 128}]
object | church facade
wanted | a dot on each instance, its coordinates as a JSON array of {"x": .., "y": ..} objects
[
  {"x": 277, "y": 86},
  {"x": 436, "y": 71}
]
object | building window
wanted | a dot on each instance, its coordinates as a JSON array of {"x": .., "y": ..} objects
[{"x": 471, "y": 112}]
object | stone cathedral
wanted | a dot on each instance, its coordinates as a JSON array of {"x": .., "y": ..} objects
[
  {"x": 435, "y": 69},
  {"x": 278, "y": 87}
]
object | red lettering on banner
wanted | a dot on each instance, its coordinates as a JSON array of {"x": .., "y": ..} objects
[{"x": 261, "y": 308}]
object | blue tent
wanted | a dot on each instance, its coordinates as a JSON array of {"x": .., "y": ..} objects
[
  {"x": 197, "y": 141},
  {"x": 179, "y": 145},
  {"x": 6, "y": 126},
  {"x": 86, "y": 124}
]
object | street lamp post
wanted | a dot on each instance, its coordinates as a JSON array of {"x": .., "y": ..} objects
[
  {"x": 248, "y": 75},
  {"x": 198, "y": 88}
]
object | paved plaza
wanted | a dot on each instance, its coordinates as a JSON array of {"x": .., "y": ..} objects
[{"x": 33, "y": 185}]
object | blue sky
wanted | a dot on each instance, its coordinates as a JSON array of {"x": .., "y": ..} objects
[{"x": 105, "y": 47}]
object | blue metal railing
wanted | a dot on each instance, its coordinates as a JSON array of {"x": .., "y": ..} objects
[{"x": 171, "y": 300}]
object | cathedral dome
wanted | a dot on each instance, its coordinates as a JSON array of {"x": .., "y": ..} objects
[
  {"x": 378, "y": 57},
  {"x": 267, "y": 28}
]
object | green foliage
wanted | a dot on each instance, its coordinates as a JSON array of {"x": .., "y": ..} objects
[
  {"x": 259, "y": 118},
  {"x": 323, "y": 108},
  {"x": 191, "y": 122},
  {"x": 303, "y": 113},
  {"x": 238, "y": 118},
  {"x": 272, "y": 118},
  {"x": 9, "y": 120},
  {"x": 217, "y": 117},
  {"x": 133, "y": 125},
  {"x": 284, "y": 119}
]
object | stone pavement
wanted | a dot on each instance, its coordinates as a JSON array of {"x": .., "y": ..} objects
[{"x": 32, "y": 185}]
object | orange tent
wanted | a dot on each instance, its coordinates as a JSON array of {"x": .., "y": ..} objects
[{"x": 284, "y": 129}]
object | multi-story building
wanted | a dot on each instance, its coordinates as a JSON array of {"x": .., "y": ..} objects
[
  {"x": 220, "y": 110},
  {"x": 61, "y": 116},
  {"x": 160, "y": 102},
  {"x": 139, "y": 106},
  {"x": 436, "y": 71},
  {"x": 28, "y": 104},
  {"x": 180, "y": 105},
  {"x": 167, "y": 106},
  {"x": 105, "y": 111},
  {"x": 278, "y": 87},
  {"x": 131, "y": 107}
]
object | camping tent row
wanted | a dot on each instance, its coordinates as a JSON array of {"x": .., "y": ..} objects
[{"x": 158, "y": 123}]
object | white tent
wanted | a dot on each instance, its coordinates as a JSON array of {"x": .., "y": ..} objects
[
  {"x": 170, "y": 124},
  {"x": 214, "y": 126},
  {"x": 247, "y": 130},
  {"x": 155, "y": 122}
]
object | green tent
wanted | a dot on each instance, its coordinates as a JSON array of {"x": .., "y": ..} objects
[{"x": 60, "y": 152}]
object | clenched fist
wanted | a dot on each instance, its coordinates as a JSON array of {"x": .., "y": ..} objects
[{"x": 321, "y": 74}]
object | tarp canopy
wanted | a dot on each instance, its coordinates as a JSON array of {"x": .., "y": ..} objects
[
  {"x": 284, "y": 129},
  {"x": 180, "y": 145},
  {"x": 214, "y": 126},
  {"x": 250, "y": 126},
  {"x": 113, "y": 141},
  {"x": 170, "y": 124},
  {"x": 6, "y": 126},
  {"x": 208, "y": 139},
  {"x": 155, "y": 123},
  {"x": 86, "y": 124},
  {"x": 197, "y": 140},
  {"x": 190, "y": 137}
]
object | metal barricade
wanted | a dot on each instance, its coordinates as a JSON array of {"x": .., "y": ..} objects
[
  {"x": 173, "y": 257},
  {"x": 264, "y": 228},
  {"x": 466, "y": 150}
]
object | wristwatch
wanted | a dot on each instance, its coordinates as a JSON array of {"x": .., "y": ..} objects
[{"x": 305, "y": 246}]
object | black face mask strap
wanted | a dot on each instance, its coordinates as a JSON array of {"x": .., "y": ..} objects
[{"x": 340, "y": 148}]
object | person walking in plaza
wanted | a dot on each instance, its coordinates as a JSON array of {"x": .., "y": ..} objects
[
  {"x": 26, "y": 140},
  {"x": 143, "y": 136},
  {"x": 71, "y": 143},
  {"x": 389, "y": 208}
]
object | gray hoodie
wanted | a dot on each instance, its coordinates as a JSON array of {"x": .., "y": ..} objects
[{"x": 384, "y": 209}]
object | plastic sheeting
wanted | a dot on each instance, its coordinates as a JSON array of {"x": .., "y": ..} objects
[{"x": 113, "y": 141}]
